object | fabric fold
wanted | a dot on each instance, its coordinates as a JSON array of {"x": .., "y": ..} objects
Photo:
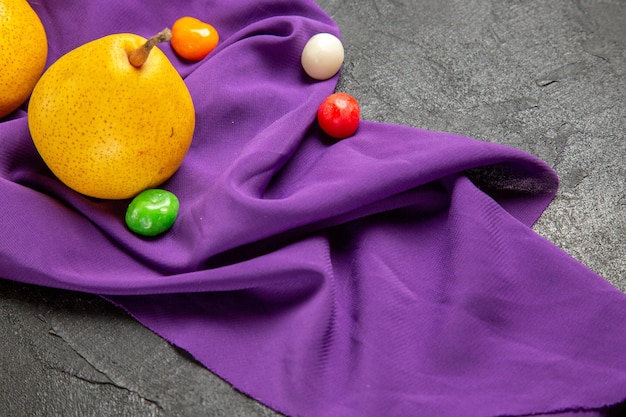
[{"x": 392, "y": 273}]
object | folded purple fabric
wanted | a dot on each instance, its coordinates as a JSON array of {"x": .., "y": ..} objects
[{"x": 393, "y": 273}]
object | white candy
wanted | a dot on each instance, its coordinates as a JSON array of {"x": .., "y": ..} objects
[{"x": 322, "y": 56}]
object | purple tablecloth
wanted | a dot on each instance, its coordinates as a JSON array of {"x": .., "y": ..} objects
[{"x": 393, "y": 273}]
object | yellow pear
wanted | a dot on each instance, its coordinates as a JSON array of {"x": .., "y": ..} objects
[
  {"x": 23, "y": 53},
  {"x": 112, "y": 117}
]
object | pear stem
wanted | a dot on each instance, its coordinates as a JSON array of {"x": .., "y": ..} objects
[{"x": 139, "y": 56}]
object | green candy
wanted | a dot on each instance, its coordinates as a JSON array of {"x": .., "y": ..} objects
[{"x": 152, "y": 212}]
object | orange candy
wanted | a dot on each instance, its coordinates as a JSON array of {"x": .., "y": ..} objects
[{"x": 193, "y": 39}]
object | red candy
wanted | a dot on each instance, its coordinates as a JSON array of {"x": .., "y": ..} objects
[{"x": 339, "y": 115}]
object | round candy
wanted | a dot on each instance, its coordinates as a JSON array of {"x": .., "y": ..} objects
[
  {"x": 193, "y": 39},
  {"x": 339, "y": 115},
  {"x": 152, "y": 212},
  {"x": 322, "y": 56}
]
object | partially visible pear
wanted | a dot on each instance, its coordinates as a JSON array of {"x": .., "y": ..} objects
[
  {"x": 23, "y": 53},
  {"x": 110, "y": 128}
]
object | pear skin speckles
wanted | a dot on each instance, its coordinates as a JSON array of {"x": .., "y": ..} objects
[
  {"x": 109, "y": 130},
  {"x": 23, "y": 53}
]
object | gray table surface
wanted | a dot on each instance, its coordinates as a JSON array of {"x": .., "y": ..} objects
[{"x": 548, "y": 77}]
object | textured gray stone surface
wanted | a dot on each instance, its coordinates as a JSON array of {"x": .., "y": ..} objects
[{"x": 548, "y": 77}]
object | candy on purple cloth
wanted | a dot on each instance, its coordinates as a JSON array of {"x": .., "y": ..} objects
[
  {"x": 391, "y": 275},
  {"x": 322, "y": 56}
]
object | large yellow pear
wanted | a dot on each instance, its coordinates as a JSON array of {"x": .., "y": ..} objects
[
  {"x": 23, "y": 53},
  {"x": 107, "y": 128}
]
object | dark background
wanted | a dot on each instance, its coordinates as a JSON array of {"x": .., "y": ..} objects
[{"x": 544, "y": 76}]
